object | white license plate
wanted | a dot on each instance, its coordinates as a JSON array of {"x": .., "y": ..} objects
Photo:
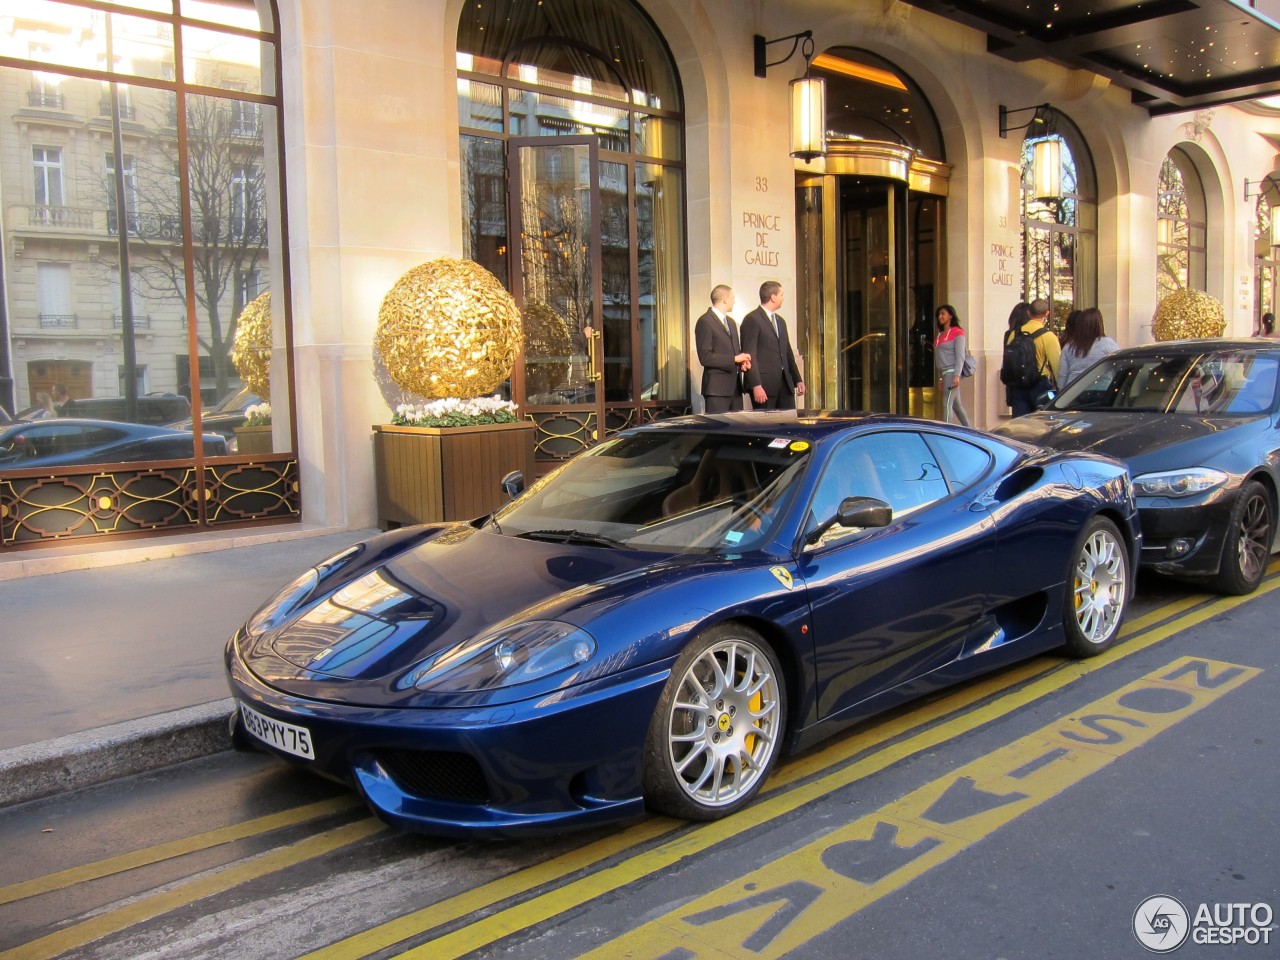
[{"x": 282, "y": 736}]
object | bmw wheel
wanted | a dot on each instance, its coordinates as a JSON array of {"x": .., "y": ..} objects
[
  {"x": 1248, "y": 545},
  {"x": 1097, "y": 589},
  {"x": 717, "y": 731}
]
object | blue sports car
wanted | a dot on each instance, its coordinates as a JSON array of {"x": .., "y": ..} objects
[{"x": 656, "y": 622}]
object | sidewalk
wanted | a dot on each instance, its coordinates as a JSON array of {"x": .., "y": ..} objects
[{"x": 111, "y": 659}]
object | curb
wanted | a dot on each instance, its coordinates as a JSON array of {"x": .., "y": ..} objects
[{"x": 81, "y": 760}]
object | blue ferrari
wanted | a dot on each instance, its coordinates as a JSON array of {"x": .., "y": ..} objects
[{"x": 654, "y": 624}]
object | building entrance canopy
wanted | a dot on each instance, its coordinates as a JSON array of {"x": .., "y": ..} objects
[{"x": 1174, "y": 55}]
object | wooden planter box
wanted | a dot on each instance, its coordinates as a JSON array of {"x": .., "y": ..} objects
[
  {"x": 429, "y": 474},
  {"x": 253, "y": 439}
]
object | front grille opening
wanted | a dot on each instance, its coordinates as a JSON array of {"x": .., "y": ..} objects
[{"x": 436, "y": 774}]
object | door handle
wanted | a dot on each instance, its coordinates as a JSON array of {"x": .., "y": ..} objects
[{"x": 593, "y": 371}]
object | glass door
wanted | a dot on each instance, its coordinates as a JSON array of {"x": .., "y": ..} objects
[{"x": 557, "y": 282}]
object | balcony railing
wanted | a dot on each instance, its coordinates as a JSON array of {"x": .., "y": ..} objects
[
  {"x": 54, "y": 320},
  {"x": 127, "y": 110},
  {"x": 139, "y": 320},
  {"x": 165, "y": 227},
  {"x": 45, "y": 98},
  {"x": 60, "y": 217}
]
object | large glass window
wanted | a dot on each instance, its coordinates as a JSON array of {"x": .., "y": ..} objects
[
  {"x": 1059, "y": 217},
  {"x": 1180, "y": 227},
  {"x": 598, "y": 72},
  {"x": 132, "y": 155}
]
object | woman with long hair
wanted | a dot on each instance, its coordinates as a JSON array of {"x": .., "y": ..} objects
[
  {"x": 948, "y": 362},
  {"x": 1019, "y": 315},
  {"x": 1083, "y": 344}
]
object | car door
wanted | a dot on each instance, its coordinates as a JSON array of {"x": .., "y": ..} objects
[{"x": 892, "y": 603}]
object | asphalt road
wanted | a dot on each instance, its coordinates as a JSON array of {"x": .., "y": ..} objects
[{"x": 1035, "y": 813}]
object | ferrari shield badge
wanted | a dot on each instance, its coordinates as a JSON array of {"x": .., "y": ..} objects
[{"x": 783, "y": 575}]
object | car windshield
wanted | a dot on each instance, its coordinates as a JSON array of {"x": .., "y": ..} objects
[
  {"x": 1222, "y": 383},
  {"x": 664, "y": 490}
]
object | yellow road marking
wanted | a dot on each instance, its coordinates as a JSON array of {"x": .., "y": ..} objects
[
  {"x": 487, "y": 930},
  {"x": 800, "y": 896},
  {"x": 174, "y": 848},
  {"x": 218, "y": 881},
  {"x": 554, "y": 870}
]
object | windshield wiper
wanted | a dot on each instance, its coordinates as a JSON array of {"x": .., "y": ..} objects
[{"x": 571, "y": 536}]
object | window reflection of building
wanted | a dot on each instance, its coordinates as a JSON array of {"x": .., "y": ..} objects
[
  {"x": 1180, "y": 227},
  {"x": 1059, "y": 229}
]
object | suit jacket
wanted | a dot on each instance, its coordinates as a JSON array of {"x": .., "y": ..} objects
[
  {"x": 716, "y": 349},
  {"x": 773, "y": 363}
]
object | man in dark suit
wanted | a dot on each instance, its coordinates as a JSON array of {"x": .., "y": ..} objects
[
  {"x": 774, "y": 377},
  {"x": 721, "y": 355}
]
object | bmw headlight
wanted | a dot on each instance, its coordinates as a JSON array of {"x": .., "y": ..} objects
[
  {"x": 1178, "y": 483},
  {"x": 279, "y": 608},
  {"x": 506, "y": 657}
]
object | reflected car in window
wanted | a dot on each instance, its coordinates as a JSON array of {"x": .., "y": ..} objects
[
  {"x": 1196, "y": 421},
  {"x": 225, "y": 416},
  {"x": 70, "y": 441},
  {"x": 652, "y": 625}
]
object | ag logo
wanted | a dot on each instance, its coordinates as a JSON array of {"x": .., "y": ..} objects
[
  {"x": 783, "y": 575},
  {"x": 1161, "y": 924}
]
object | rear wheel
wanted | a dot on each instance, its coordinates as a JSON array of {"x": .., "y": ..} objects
[
  {"x": 1097, "y": 589},
  {"x": 717, "y": 731},
  {"x": 1248, "y": 546}
]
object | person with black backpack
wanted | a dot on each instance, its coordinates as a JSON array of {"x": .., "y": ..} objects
[{"x": 1029, "y": 369}]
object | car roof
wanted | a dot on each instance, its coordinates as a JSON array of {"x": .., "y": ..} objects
[
  {"x": 808, "y": 424},
  {"x": 1204, "y": 345}
]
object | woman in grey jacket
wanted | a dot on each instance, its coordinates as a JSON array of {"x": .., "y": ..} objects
[
  {"x": 948, "y": 362},
  {"x": 1084, "y": 342}
]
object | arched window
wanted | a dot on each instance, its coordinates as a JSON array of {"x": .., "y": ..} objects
[
  {"x": 1180, "y": 226},
  {"x": 1059, "y": 216},
  {"x": 573, "y": 192},
  {"x": 868, "y": 98},
  {"x": 1266, "y": 256}
]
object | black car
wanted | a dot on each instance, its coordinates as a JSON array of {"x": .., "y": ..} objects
[
  {"x": 1196, "y": 422},
  {"x": 68, "y": 440},
  {"x": 225, "y": 416}
]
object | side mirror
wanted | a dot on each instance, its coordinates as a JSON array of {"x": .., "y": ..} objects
[
  {"x": 513, "y": 483},
  {"x": 856, "y": 512}
]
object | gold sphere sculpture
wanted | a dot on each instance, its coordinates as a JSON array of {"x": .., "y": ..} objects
[
  {"x": 1188, "y": 314},
  {"x": 251, "y": 349},
  {"x": 546, "y": 334},
  {"x": 448, "y": 328}
]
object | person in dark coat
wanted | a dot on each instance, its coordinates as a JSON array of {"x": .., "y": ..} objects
[
  {"x": 774, "y": 376},
  {"x": 720, "y": 352}
]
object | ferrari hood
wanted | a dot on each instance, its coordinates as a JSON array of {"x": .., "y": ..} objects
[
  {"x": 1139, "y": 439},
  {"x": 442, "y": 591}
]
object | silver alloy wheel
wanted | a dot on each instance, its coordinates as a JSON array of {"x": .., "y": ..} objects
[
  {"x": 1254, "y": 542},
  {"x": 1100, "y": 585},
  {"x": 725, "y": 722}
]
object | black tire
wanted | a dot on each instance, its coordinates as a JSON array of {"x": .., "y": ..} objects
[
  {"x": 717, "y": 731},
  {"x": 1098, "y": 589},
  {"x": 1247, "y": 549}
]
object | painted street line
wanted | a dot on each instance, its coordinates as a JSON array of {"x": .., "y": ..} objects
[{"x": 807, "y": 893}]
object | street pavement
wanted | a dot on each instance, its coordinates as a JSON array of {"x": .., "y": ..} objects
[{"x": 111, "y": 659}]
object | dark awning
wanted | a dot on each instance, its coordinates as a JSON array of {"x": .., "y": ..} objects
[{"x": 1173, "y": 55}]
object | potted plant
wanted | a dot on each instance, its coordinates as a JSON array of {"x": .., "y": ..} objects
[{"x": 448, "y": 334}]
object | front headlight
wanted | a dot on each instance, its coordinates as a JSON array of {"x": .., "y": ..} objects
[
  {"x": 506, "y": 657},
  {"x": 1178, "y": 483}
]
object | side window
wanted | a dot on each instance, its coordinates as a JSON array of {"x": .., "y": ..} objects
[
  {"x": 962, "y": 463},
  {"x": 898, "y": 468}
]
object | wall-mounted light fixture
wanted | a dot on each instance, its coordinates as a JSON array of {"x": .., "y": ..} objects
[
  {"x": 1046, "y": 169},
  {"x": 1268, "y": 188},
  {"x": 1040, "y": 117},
  {"x": 808, "y": 95}
]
